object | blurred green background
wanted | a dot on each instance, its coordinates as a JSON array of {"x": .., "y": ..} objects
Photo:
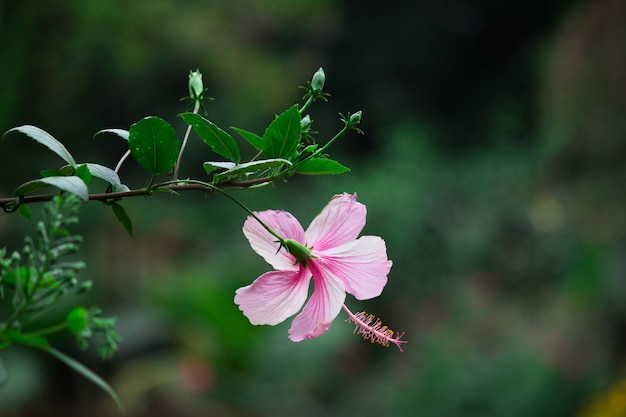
[{"x": 492, "y": 165}]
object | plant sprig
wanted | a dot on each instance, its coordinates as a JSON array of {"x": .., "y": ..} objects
[
  {"x": 38, "y": 278},
  {"x": 287, "y": 147}
]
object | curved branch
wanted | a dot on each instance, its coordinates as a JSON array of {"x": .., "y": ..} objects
[{"x": 9, "y": 204}]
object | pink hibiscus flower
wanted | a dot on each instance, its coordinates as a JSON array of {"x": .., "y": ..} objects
[{"x": 331, "y": 253}]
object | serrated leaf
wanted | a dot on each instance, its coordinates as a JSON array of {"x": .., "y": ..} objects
[
  {"x": 119, "y": 132},
  {"x": 25, "y": 212},
  {"x": 220, "y": 141},
  {"x": 122, "y": 217},
  {"x": 72, "y": 185},
  {"x": 252, "y": 138},
  {"x": 321, "y": 166},
  {"x": 154, "y": 144},
  {"x": 282, "y": 136},
  {"x": 47, "y": 140}
]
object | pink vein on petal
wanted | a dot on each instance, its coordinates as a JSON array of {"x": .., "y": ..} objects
[
  {"x": 361, "y": 265},
  {"x": 273, "y": 296},
  {"x": 321, "y": 309},
  {"x": 340, "y": 221}
]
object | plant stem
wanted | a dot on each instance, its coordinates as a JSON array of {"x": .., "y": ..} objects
[
  {"x": 320, "y": 150},
  {"x": 196, "y": 108},
  {"x": 306, "y": 105},
  {"x": 48, "y": 330},
  {"x": 212, "y": 187}
]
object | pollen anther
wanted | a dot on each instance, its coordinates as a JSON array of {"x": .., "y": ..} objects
[{"x": 372, "y": 328}]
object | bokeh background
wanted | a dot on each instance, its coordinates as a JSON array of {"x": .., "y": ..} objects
[{"x": 492, "y": 164}]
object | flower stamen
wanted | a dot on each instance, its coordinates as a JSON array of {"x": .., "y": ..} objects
[{"x": 372, "y": 328}]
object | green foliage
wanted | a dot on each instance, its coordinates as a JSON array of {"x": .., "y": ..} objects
[
  {"x": 281, "y": 137},
  {"x": 221, "y": 142},
  {"x": 288, "y": 144},
  {"x": 122, "y": 217},
  {"x": 252, "y": 138},
  {"x": 153, "y": 144},
  {"x": 108, "y": 175},
  {"x": 73, "y": 185},
  {"x": 47, "y": 140},
  {"x": 321, "y": 166},
  {"x": 84, "y": 371},
  {"x": 232, "y": 170},
  {"x": 38, "y": 278}
]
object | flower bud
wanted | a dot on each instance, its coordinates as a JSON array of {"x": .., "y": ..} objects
[
  {"x": 355, "y": 118},
  {"x": 77, "y": 320},
  {"x": 317, "y": 83},
  {"x": 305, "y": 123},
  {"x": 195, "y": 84}
]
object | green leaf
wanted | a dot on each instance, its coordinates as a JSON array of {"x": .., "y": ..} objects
[
  {"x": 248, "y": 167},
  {"x": 25, "y": 212},
  {"x": 85, "y": 372},
  {"x": 212, "y": 166},
  {"x": 119, "y": 132},
  {"x": 282, "y": 136},
  {"x": 73, "y": 185},
  {"x": 252, "y": 138},
  {"x": 153, "y": 144},
  {"x": 64, "y": 171},
  {"x": 108, "y": 175},
  {"x": 122, "y": 217},
  {"x": 221, "y": 142},
  {"x": 83, "y": 173},
  {"x": 47, "y": 140},
  {"x": 55, "y": 172},
  {"x": 16, "y": 336},
  {"x": 321, "y": 166}
]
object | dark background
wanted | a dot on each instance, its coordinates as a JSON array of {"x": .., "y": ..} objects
[{"x": 492, "y": 164}]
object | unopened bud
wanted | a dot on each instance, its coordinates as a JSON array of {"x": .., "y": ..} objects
[
  {"x": 355, "y": 118},
  {"x": 77, "y": 320},
  {"x": 305, "y": 122},
  {"x": 317, "y": 83},
  {"x": 195, "y": 84}
]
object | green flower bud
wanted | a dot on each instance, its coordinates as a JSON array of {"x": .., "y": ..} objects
[
  {"x": 300, "y": 252},
  {"x": 355, "y": 118},
  {"x": 77, "y": 320},
  {"x": 195, "y": 84},
  {"x": 305, "y": 123},
  {"x": 317, "y": 83}
]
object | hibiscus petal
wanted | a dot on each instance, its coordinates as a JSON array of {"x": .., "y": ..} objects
[
  {"x": 361, "y": 265},
  {"x": 340, "y": 221},
  {"x": 267, "y": 245},
  {"x": 273, "y": 296},
  {"x": 319, "y": 312}
]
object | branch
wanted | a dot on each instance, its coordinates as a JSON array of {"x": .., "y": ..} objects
[{"x": 9, "y": 204}]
